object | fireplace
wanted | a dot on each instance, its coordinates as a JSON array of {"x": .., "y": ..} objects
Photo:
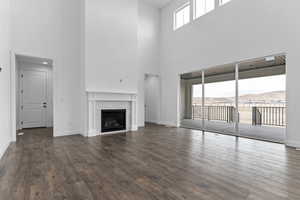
[
  {"x": 107, "y": 102},
  {"x": 113, "y": 120}
]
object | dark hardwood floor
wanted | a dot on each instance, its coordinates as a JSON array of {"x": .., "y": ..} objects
[{"x": 153, "y": 163}]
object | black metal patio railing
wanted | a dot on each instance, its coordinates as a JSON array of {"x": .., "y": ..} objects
[
  {"x": 272, "y": 116},
  {"x": 220, "y": 113}
]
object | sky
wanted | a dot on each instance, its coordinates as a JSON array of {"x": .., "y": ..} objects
[{"x": 246, "y": 86}]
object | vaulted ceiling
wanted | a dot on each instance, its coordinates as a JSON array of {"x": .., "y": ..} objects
[{"x": 158, "y": 3}]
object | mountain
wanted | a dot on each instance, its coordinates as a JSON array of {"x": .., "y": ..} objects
[{"x": 266, "y": 98}]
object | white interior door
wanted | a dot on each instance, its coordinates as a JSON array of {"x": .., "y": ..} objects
[
  {"x": 147, "y": 102},
  {"x": 152, "y": 99},
  {"x": 33, "y": 96}
]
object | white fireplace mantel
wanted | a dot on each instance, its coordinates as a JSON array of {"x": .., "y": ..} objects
[{"x": 98, "y": 101}]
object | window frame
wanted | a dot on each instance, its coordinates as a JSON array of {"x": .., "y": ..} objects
[
  {"x": 221, "y": 2},
  {"x": 206, "y": 12},
  {"x": 187, "y": 4}
]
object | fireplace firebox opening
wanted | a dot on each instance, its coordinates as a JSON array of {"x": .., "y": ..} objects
[{"x": 113, "y": 120}]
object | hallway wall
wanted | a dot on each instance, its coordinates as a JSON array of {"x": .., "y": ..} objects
[
  {"x": 53, "y": 29},
  {"x": 5, "y": 132},
  {"x": 148, "y": 51}
]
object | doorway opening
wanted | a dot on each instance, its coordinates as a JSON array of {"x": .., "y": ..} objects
[
  {"x": 34, "y": 96},
  {"x": 152, "y": 99}
]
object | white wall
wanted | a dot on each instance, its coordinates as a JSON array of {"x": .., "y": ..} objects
[
  {"x": 53, "y": 29},
  {"x": 237, "y": 31},
  {"x": 148, "y": 50},
  {"x": 111, "y": 45},
  {"x": 121, "y": 45},
  {"x": 5, "y": 134}
]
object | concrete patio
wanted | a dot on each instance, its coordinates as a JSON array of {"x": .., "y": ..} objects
[{"x": 269, "y": 133}]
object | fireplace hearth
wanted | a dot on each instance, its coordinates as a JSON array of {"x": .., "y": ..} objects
[{"x": 113, "y": 120}]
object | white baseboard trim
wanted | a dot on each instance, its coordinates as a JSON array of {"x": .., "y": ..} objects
[
  {"x": 134, "y": 128},
  {"x": 3, "y": 149},
  {"x": 166, "y": 123},
  {"x": 83, "y": 134},
  {"x": 114, "y": 132},
  {"x": 141, "y": 125},
  {"x": 152, "y": 122},
  {"x": 67, "y": 133},
  {"x": 93, "y": 133},
  {"x": 294, "y": 144}
]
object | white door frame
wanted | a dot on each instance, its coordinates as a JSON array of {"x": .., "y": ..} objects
[{"x": 13, "y": 93}]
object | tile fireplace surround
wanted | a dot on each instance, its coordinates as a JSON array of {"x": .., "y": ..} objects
[{"x": 98, "y": 101}]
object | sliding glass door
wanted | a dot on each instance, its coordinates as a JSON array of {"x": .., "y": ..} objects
[
  {"x": 262, "y": 100},
  {"x": 191, "y": 101},
  {"x": 219, "y": 100},
  {"x": 197, "y": 102},
  {"x": 245, "y": 99}
]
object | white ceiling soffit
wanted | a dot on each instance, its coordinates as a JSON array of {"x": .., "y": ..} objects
[
  {"x": 34, "y": 60},
  {"x": 158, "y": 3},
  {"x": 254, "y": 64}
]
